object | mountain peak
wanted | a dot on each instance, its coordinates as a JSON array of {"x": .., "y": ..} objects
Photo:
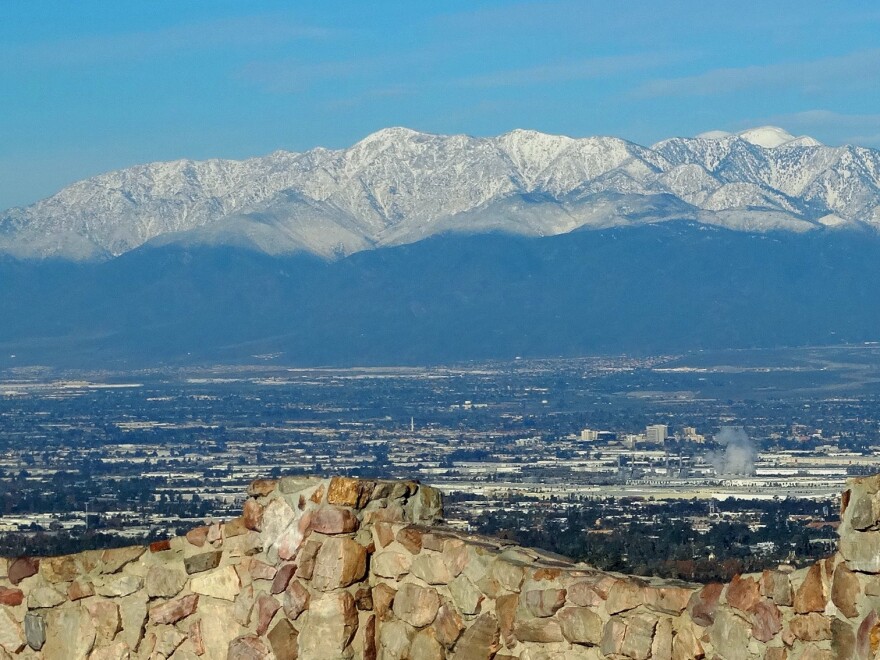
[{"x": 768, "y": 137}]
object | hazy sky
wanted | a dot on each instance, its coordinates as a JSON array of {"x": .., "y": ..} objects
[{"x": 90, "y": 86}]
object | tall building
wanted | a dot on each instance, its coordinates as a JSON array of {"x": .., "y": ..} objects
[
  {"x": 656, "y": 432},
  {"x": 588, "y": 435}
]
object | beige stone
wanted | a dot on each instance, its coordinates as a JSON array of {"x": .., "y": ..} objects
[
  {"x": 425, "y": 645},
  {"x": 329, "y": 625},
  {"x": 448, "y": 625},
  {"x": 162, "y": 582},
  {"x": 730, "y": 633},
  {"x": 116, "y": 651},
  {"x": 582, "y": 594},
  {"x": 70, "y": 634},
  {"x": 222, "y": 583},
  {"x": 661, "y": 647},
  {"x": 543, "y": 630},
  {"x": 133, "y": 617},
  {"x": 543, "y": 602},
  {"x": 218, "y": 627},
  {"x": 776, "y": 585},
  {"x": 508, "y": 575},
  {"x": 261, "y": 487},
  {"x": 624, "y": 595},
  {"x": 105, "y": 618},
  {"x": 668, "y": 599},
  {"x": 44, "y": 597},
  {"x": 639, "y": 636},
  {"x": 340, "y": 562},
  {"x": 115, "y": 558},
  {"x": 395, "y": 638},
  {"x": 114, "y": 586},
  {"x": 580, "y": 625},
  {"x": 12, "y": 638},
  {"x": 391, "y": 564},
  {"x": 465, "y": 595},
  {"x": 242, "y": 607},
  {"x": 481, "y": 640},
  {"x": 416, "y": 605},
  {"x": 431, "y": 568}
]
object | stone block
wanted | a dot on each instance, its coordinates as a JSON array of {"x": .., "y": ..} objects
[
  {"x": 581, "y": 625},
  {"x": 329, "y": 626},
  {"x": 283, "y": 640},
  {"x": 416, "y": 605},
  {"x": 222, "y": 583},
  {"x": 202, "y": 562},
  {"x": 480, "y": 641},
  {"x": 173, "y": 611},
  {"x": 543, "y": 602},
  {"x": 340, "y": 563}
]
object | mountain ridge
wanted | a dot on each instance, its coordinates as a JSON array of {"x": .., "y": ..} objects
[{"x": 398, "y": 185}]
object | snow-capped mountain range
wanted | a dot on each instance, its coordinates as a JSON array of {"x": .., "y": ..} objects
[{"x": 399, "y": 186}]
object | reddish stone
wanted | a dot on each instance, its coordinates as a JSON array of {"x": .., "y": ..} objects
[
  {"x": 703, "y": 603},
  {"x": 743, "y": 593},
  {"x": 248, "y": 647},
  {"x": 252, "y": 513},
  {"x": 505, "y": 608},
  {"x": 79, "y": 589},
  {"x": 261, "y": 487},
  {"x": 867, "y": 636},
  {"x": 845, "y": 590},
  {"x": 384, "y": 533},
  {"x": 370, "y": 650},
  {"x": 174, "y": 610},
  {"x": 411, "y": 539},
  {"x": 283, "y": 640},
  {"x": 197, "y": 536},
  {"x": 266, "y": 607},
  {"x": 22, "y": 568},
  {"x": 383, "y": 599},
  {"x": 11, "y": 597},
  {"x": 812, "y": 595},
  {"x": 196, "y": 639},
  {"x": 333, "y": 520},
  {"x": 260, "y": 570},
  {"x": 296, "y": 600},
  {"x": 363, "y": 599},
  {"x": 306, "y": 559},
  {"x": 544, "y": 602},
  {"x": 350, "y": 492},
  {"x": 766, "y": 620},
  {"x": 159, "y": 546},
  {"x": 812, "y": 627},
  {"x": 282, "y": 578}
]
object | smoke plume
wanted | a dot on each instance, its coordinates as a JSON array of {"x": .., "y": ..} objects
[{"x": 737, "y": 454}]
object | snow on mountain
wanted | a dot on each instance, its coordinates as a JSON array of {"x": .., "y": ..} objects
[{"x": 399, "y": 185}]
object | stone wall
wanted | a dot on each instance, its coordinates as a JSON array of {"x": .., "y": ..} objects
[{"x": 342, "y": 568}]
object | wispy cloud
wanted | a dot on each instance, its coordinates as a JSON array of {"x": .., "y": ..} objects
[
  {"x": 225, "y": 33},
  {"x": 858, "y": 70},
  {"x": 585, "y": 69}
]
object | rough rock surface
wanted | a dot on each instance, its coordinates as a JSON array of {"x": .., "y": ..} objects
[{"x": 376, "y": 577}]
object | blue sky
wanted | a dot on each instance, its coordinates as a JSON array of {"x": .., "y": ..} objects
[{"x": 90, "y": 86}]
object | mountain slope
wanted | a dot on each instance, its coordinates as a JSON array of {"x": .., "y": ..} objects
[
  {"x": 398, "y": 185},
  {"x": 641, "y": 289}
]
